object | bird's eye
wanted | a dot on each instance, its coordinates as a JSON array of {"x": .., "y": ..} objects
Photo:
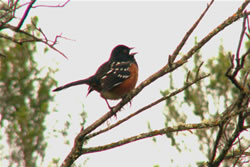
[{"x": 125, "y": 51}]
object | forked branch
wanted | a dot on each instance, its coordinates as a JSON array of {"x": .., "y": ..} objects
[{"x": 172, "y": 65}]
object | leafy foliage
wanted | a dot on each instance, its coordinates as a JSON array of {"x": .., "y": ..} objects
[
  {"x": 24, "y": 101},
  {"x": 207, "y": 100}
]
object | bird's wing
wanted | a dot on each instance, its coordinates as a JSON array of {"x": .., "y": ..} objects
[{"x": 117, "y": 73}]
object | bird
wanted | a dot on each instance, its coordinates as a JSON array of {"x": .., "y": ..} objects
[{"x": 115, "y": 78}]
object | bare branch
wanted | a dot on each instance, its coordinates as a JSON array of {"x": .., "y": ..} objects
[
  {"x": 228, "y": 145},
  {"x": 7, "y": 16},
  {"x": 80, "y": 138},
  {"x": 50, "y": 6},
  {"x": 25, "y": 15},
  {"x": 219, "y": 28},
  {"x": 239, "y": 61},
  {"x": 240, "y": 106},
  {"x": 245, "y": 79},
  {"x": 32, "y": 39},
  {"x": 239, "y": 155},
  {"x": 198, "y": 70},
  {"x": 148, "y": 106},
  {"x": 189, "y": 32},
  {"x": 187, "y": 78},
  {"x": 244, "y": 27},
  {"x": 216, "y": 144},
  {"x": 184, "y": 127}
]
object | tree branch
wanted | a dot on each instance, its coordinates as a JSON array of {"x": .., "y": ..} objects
[
  {"x": 187, "y": 85},
  {"x": 33, "y": 39},
  {"x": 238, "y": 129},
  {"x": 244, "y": 27},
  {"x": 166, "y": 69},
  {"x": 25, "y": 15},
  {"x": 51, "y": 6},
  {"x": 163, "y": 131},
  {"x": 182, "y": 127},
  {"x": 218, "y": 138},
  {"x": 80, "y": 138},
  {"x": 240, "y": 105},
  {"x": 239, "y": 61},
  {"x": 189, "y": 32},
  {"x": 9, "y": 14}
]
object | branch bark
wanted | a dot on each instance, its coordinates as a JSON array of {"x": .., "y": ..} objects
[
  {"x": 240, "y": 105},
  {"x": 179, "y": 128},
  {"x": 9, "y": 14},
  {"x": 147, "y": 107},
  {"x": 238, "y": 129},
  {"x": 172, "y": 65},
  {"x": 25, "y": 15}
]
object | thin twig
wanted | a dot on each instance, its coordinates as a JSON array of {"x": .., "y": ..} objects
[
  {"x": 147, "y": 107},
  {"x": 25, "y": 15},
  {"x": 79, "y": 140},
  {"x": 219, "y": 28},
  {"x": 33, "y": 39},
  {"x": 237, "y": 108},
  {"x": 244, "y": 27},
  {"x": 163, "y": 131},
  {"x": 182, "y": 127},
  {"x": 187, "y": 35},
  {"x": 229, "y": 143},
  {"x": 51, "y": 6},
  {"x": 198, "y": 70},
  {"x": 239, "y": 61},
  {"x": 218, "y": 137},
  {"x": 187, "y": 78}
]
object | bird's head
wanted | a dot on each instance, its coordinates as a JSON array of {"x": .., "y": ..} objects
[{"x": 122, "y": 53}]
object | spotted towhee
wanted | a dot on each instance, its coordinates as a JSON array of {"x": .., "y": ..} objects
[{"x": 115, "y": 78}]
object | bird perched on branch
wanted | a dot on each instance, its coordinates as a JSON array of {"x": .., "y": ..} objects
[{"x": 115, "y": 78}]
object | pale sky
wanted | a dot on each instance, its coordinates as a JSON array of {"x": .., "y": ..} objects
[{"x": 154, "y": 29}]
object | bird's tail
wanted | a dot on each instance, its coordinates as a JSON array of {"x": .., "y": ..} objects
[{"x": 79, "y": 82}]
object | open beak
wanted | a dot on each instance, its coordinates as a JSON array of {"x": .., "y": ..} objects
[{"x": 133, "y": 53}]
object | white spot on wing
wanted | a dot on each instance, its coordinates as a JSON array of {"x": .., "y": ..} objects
[
  {"x": 104, "y": 77},
  {"x": 116, "y": 84}
]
